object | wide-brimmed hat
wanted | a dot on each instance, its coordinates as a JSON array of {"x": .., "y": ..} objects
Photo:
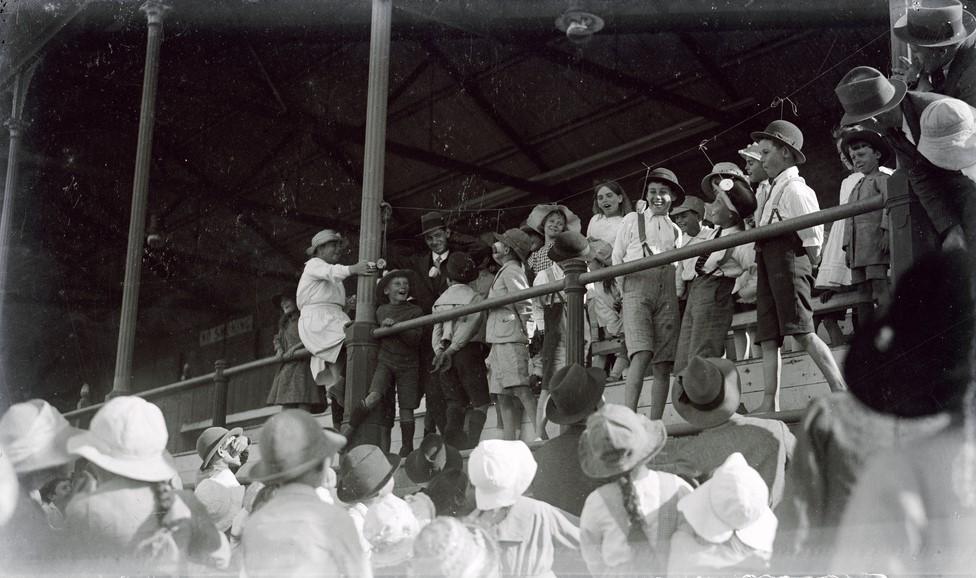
[
  {"x": 729, "y": 171},
  {"x": 735, "y": 500},
  {"x": 537, "y": 218},
  {"x": 569, "y": 245},
  {"x": 518, "y": 240},
  {"x": 916, "y": 360},
  {"x": 574, "y": 393},
  {"x": 501, "y": 472},
  {"x": 34, "y": 436},
  {"x": 449, "y": 492},
  {"x": 128, "y": 438},
  {"x": 461, "y": 268},
  {"x": 601, "y": 252},
  {"x": 708, "y": 392},
  {"x": 365, "y": 470},
  {"x": 390, "y": 528},
  {"x": 865, "y": 93},
  {"x": 872, "y": 138},
  {"x": 431, "y": 221},
  {"x": 787, "y": 134},
  {"x": 692, "y": 203},
  {"x": 617, "y": 440},
  {"x": 210, "y": 441},
  {"x": 293, "y": 443},
  {"x": 751, "y": 152},
  {"x": 666, "y": 176},
  {"x": 431, "y": 458},
  {"x": 389, "y": 276},
  {"x": 949, "y": 134},
  {"x": 321, "y": 238},
  {"x": 933, "y": 23},
  {"x": 289, "y": 293},
  {"x": 449, "y": 547}
]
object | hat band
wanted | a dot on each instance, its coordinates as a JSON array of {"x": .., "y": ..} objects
[
  {"x": 874, "y": 99},
  {"x": 714, "y": 404},
  {"x": 945, "y": 30}
]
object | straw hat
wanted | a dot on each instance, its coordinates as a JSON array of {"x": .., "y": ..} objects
[
  {"x": 729, "y": 171},
  {"x": 449, "y": 547},
  {"x": 210, "y": 441},
  {"x": 787, "y": 134},
  {"x": 933, "y": 23},
  {"x": 735, "y": 500},
  {"x": 865, "y": 93},
  {"x": 691, "y": 203},
  {"x": 666, "y": 176},
  {"x": 128, "y": 438},
  {"x": 390, "y": 528},
  {"x": 574, "y": 393},
  {"x": 321, "y": 238},
  {"x": 617, "y": 440},
  {"x": 365, "y": 470},
  {"x": 949, "y": 134},
  {"x": 431, "y": 458},
  {"x": 708, "y": 392},
  {"x": 501, "y": 472},
  {"x": 518, "y": 240},
  {"x": 293, "y": 443},
  {"x": 34, "y": 436},
  {"x": 569, "y": 245},
  {"x": 537, "y": 218}
]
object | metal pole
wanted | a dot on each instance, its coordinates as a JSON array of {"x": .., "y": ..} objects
[
  {"x": 361, "y": 345},
  {"x": 574, "y": 301},
  {"x": 121, "y": 385},
  {"x": 220, "y": 394}
]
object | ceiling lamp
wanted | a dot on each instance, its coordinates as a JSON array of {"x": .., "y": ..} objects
[{"x": 579, "y": 25}]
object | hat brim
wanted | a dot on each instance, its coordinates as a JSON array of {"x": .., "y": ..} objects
[
  {"x": 152, "y": 469},
  {"x": 900, "y": 90},
  {"x": 797, "y": 153},
  {"x": 347, "y": 496},
  {"x": 310, "y": 251},
  {"x": 597, "y": 469},
  {"x": 508, "y": 243},
  {"x": 556, "y": 256},
  {"x": 874, "y": 139},
  {"x": 708, "y": 195},
  {"x": 329, "y": 444},
  {"x": 213, "y": 450},
  {"x": 900, "y": 29},
  {"x": 538, "y": 215},
  {"x": 54, "y": 455},
  {"x": 415, "y": 464},
  {"x": 385, "y": 280},
  {"x": 678, "y": 193},
  {"x": 434, "y": 228},
  {"x": 591, "y": 397},
  {"x": 949, "y": 154},
  {"x": 749, "y": 156},
  {"x": 762, "y": 533},
  {"x": 717, "y": 415}
]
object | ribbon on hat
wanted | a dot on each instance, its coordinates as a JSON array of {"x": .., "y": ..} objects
[{"x": 38, "y": 436}]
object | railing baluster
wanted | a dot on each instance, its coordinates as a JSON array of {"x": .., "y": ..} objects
[{"x": 220, "y": 394}]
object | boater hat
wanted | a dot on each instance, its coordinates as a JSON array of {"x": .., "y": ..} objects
[
  {"x": 574, "y": 393},
  {"x": 934, "y": 23},
  {"x": 865, "y": 93},
  {"x": 787, "y": 134},
  {"x": 708, "y": 392}
]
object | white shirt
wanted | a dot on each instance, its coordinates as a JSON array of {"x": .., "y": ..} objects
[
  {"x": 793, "y": 198},
  {"x": 661, "y": 234},
  {"x": 604, "y": 228},
  {"x": 443, "y": 258},
  {"x": 321, "y": 283}
]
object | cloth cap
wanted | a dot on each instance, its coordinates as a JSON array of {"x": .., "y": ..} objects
[
  {"x": 933, "y": 23},
  {"x": 574, "y": 393},
  {"x": 569, "y": 245},
  {"x": 127, "y": 437},
  {"x": 787, "y": 134},
  {"x": 390, "y": 528},
  {"x": 518, "y": 240},
  {"x": 292, "y": 443},
  {"x": 865, "y": 93},
  {"x": 735, "y": 500},
  {"x": 34, "y": 436},
  {"x": 707, "y": 394},
  {"x": 501, "y": 472},
  {"x": 210, "y": 441},
  {"x": 431, "y": 458},
  {"x": 949, "y": 134},
  {"x": 449, "y": 547},
  {"x": 461, "y": 268},
  {"x": 365, "y": 470},
  {"x": 617, "y": 440},
  {"x": 691, "y": 203},
  {"x": 537, "y": 218},
  {"x": 321, "y": 238}
]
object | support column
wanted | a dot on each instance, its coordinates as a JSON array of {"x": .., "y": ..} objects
[
  {"x": 154, "y": 9},
  {"x": 575, "y": 290},
  {"x": 360, "y": 344}
]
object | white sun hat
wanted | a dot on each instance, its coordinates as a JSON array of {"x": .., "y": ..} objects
[
  {"x": 34, "y": 436},
  {"x": 501, "y": 471},
  {"x": 948, "y": 137},
  {"x": 127, "y": 437}
]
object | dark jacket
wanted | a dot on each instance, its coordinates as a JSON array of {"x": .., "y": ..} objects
[{"x": 961, "y": 80}]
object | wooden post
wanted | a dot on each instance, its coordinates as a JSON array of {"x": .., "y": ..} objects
[
  {"x": 220, "y": 394},
  {"x": 360, "y": 344},
  {"x": 121, "y": 385},
  {"x": 575, "y": 310}
]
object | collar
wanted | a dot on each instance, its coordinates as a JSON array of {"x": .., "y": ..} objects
[
  {"x": 705, "y": 233},
  {"x": 443, "y": 256},
  {"x": 225, "y": 478},
  {"x": 793, "y": 171}
]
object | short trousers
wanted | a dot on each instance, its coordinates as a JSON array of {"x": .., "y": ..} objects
[
  {"x": 467, "y": 380},
  {"x": 402, "y": 378},
  {"x": 650, "y": 313},
  {"x": 868, "y": 272},
  {"x": 508, "y": 366},
  {"x": 784, "y": 281},
  {"x": 707, "y": 319}
]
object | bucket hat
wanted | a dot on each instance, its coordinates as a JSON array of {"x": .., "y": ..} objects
[
  {"x": 537, "y": 218},
  {"x": 431, "y": 458},
  {"x": 574, "y": 393},
  {"x": 449, "y": 547},
  {"x": 735, "y": 500},
  {"x": 461, "y": 268},
  {"x": 210, "y": 441},
  {"x": 666, "y": 176},
  {"x": 787, "y": 134},
  {"x": 365, "y": 470},
  {"x": 949, "y": 134},
  {"x": 617, "y": 440},
  {"x": 34, "y": 436},
  {"x": 293, "y": 443},
  {"x": 431, "y": 221},
  {"x": 390, "y": 528},
  {"x": 915, "y": 360},
  {"x": 692, "y": 203},
  {"x": 725, "y": 170},
  {"x": 321, "y": 238},
  {"x": 865, "y": 93},
  {"x": 518, "y": 240},
  {"x": 871, "y": 137},
  {"x": 128, "y": 438},
  {"x": 933, "y": 23},
  {"x": 501, "y": 471},
  {"x": 569, "y": 245},
  {"x": 708, "y": 392}
]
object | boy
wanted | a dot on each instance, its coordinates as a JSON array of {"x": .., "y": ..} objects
[
  {"x": 650, "y": 305},
  {"x": 505, "y": 333},
  {"x": 866, "y": 236},
  {"x": 398, "y": 361}
]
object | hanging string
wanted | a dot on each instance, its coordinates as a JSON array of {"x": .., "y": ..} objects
[
  {"x": 779, "y": 101},
  {"x": 704, "y": 151}
]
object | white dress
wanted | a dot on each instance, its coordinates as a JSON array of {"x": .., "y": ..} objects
[
  {"x": 834, "y": 271},
  {"x": 604, "y": 228},
  {"x": 321, "y": 298}
]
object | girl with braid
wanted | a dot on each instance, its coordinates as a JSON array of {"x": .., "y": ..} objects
[{"x": 626, "y": 524}]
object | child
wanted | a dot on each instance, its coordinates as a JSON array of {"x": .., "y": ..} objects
[
  {"x": 366, "y": 479},
  {"x": 689, "y": 217},
  {"x": 866, "y": 236},
  {"x": 626, "y": 524},
  {"x": 293, "y": 385},
  {"x": 397, "y": 364},
  {"x": 610, "y": 204},
  {"x": 650, "y": 306},
  {"x": 505, "y": 333},
  {"x": 549, "y": 221},
  {"x": 527, "y": 531},
  {"x": 450, "y": 548},
  {"x": 603, "y": 309},
  {"x": 390, "y": 528},
  {"x": 710, "y": 279},
  {"x": 459, "y": 354},
  {"x": 728, "y": 527}
]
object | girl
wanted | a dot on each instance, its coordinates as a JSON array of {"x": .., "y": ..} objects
[
  {"x": 549, "y": 221},
  {"x": 293, "y": 385},
  {"x": 610, "y": 204}
]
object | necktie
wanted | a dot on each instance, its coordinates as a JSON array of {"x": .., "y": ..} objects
[
  {"x": 937, "y": 80},
  {"x": 700, "y": 263}
]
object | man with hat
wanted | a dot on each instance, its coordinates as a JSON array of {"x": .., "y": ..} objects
[
  {"x": 296, "y": 533},
  {"x": 785, "y": 263},
  {"x": 432, "y": 457},
  {"x": 459, "y": 355},
  {"x": 575, "y": 392},
  {"x": 942, "y": 36},
  {"x": 217, "y": 487},
  {"x": 706, "y": 397}
]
